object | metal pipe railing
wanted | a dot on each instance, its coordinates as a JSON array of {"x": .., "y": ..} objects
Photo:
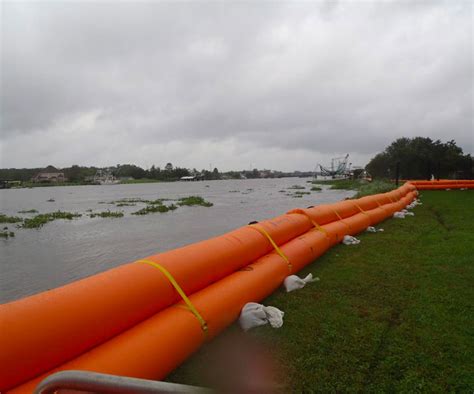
[{"x": 110, "y": 384}]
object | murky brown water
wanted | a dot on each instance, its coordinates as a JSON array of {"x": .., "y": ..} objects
[{"x": 63, "y": 251}]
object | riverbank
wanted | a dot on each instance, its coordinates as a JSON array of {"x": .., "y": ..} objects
[
  {"x": 363, "y": 188},
  {"x": 392, "y": 314},
  {"x": 30, "y": 185}
]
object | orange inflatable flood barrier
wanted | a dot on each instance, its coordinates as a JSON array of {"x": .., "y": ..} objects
[
  {"x": 132, "y": 321},
  {"x": 443, "y": 184}
]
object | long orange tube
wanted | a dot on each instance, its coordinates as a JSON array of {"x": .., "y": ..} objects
[
  {"x": 443, "y": 184},
  {"x": 150, "y": 292},
  {"x": 86, "y": 313}
]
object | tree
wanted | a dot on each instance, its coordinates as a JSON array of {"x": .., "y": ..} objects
[
  {"x": 419, "y": 158},
  {"x": 215, "y": 174},
  {"x": 73, "y": 174},
  {"x": 131, "y": 170}
]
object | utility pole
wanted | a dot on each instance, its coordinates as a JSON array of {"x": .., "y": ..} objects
[{"x": 397, "y": 173}]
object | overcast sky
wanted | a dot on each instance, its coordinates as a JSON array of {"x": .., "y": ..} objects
[{"x": 281, "y": 85}]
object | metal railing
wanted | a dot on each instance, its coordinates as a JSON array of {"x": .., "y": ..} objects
[{"x": 104, "y": 383}]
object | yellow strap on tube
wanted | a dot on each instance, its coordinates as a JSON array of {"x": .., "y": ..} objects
[
  {"x": 337, "y": 214},
  {"x": 340, "y": 218},
  {"x": 360, "y": 209},
  {"x": 316, "y": 225},
  {"x": 262, "y": 231},
  {"x": 180, "y": 291}
]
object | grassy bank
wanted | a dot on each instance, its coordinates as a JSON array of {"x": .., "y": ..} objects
[
  {"x": 363, "y": 188},
  {"x": 392, "y": 314}
]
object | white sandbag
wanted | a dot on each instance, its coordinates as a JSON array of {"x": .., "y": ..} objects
[
  {"x": 411, "y": 205},
  {"x": 399, "y": 215},
  {"x": 414, "y": 203},
  {"x": 409, "y": 214},
  {"x": 255, "y": 315},
  {"x": 294, "y": 282},
  {"x": 350, "y": 240},
  {"x": 372, "y": 229}
]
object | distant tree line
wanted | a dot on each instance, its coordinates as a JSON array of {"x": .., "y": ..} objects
[
  {"x": 79, "y": 174},
  {"x": 83, "y": 175},
  {"x": 420, "y": 158}
]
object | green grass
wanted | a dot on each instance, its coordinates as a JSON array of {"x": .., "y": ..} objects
[
  {"x": 392, "y": 314},
  {"x": 363, "y": 188},
  {"x": 374, "y": 187}
]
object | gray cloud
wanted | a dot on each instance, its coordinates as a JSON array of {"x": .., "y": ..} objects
[{"x": 281, "y": 85}]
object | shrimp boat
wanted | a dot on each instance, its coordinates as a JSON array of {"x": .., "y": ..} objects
[{"x": 105, "y": 177}]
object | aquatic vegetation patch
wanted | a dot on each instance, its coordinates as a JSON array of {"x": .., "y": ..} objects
[
  {"x": 158, "y": 201},
  {"x": 43, "y": 218},
  {"x": 316, "y": 189},
  {"x": 9, "y": 219},
  {"x": 29, "y": 211},
  {"x": 194, "y": 200},
  {"x": 6, "y": 234},
  {"x": 133, "y": 201},
  {"x": 154, "y": 209},
  {"x": 130, "y": 200},
  {"x": 106, "y": 214},
  {"x": 296, "y": 187}
]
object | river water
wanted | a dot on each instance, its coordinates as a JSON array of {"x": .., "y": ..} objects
[{"x": 66, "y": 250}]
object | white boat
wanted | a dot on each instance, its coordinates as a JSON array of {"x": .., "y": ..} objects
[{"x": 105, "y": 177}]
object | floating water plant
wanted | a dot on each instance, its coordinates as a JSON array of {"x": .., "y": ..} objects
[
  {"x": 316, "y": 189},
  {"x": 131, "y": 200},
  {"x": 125, "y": 204},
  {"x": 43, "y": 218},
  {"x": 107, "y": 214},
  {"x": 29, "y": 211},
  {"x": 158, "y": 201},
  {"x": 296, "y": 187},
  {"x": 6, "y": 234},
  {"x": 155, "y": 208},
  {"x": 194, "y": 200},
  {"x": 9, "y": 219}
]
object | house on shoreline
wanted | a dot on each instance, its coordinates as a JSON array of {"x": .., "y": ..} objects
[{"x": 50, "y": 174}]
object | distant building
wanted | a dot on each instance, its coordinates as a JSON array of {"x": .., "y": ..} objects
[
  {"x": 191, "y": 178},
  {"x": 49, "y": 174}
]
